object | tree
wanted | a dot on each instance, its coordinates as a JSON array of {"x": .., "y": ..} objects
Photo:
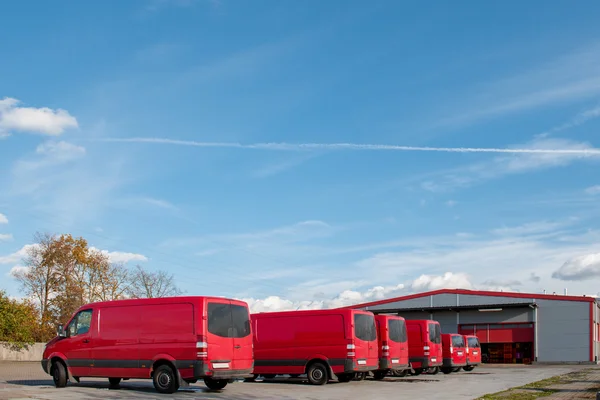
[
  {"x": 63, "y": 273},
  {"x": 147, "y": 284},
  {"x": 18, "y": 322}
]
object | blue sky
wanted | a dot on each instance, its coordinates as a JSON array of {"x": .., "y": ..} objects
[{"x": 117, "y": 121}]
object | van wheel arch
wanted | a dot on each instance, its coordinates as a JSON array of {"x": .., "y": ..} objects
[{"x": 320, "y": 361}]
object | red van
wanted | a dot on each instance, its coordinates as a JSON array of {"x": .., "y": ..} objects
[
  {"x": 393, "y": 345},
  {"x": 455, "y": 352},
  {"x": 424, "y": 344},
  {"x": 173, "y": 340},
  {"x": 473, "y": 352},
  {"x": 319, "y": 343}
]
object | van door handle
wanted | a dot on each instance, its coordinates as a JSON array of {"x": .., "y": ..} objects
[
  {"x": 238, "y": 347},
  {"x": 86, "y": 340}
]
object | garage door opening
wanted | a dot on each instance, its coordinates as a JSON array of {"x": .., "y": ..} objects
[
  {"x": 507, "y": 353},
  {"x": 503, "y": 343}
]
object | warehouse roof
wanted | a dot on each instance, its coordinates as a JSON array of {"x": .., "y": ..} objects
[{"x": 479, "y": 293}]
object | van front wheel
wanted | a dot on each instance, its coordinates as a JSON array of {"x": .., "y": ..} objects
[
  {"x": 165, "y": 380},
  {"x": 317, "y": 374},
  {"x": 215, "y": 384},
  {"x": 114, "y": 381},
  {"x": 59, "y": 374}
]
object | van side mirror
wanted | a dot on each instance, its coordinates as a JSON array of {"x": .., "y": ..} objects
[{"x": 60, "y": 331}]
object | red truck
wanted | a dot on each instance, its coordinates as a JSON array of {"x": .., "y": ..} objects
[
  {"x": 473, "y": 352},
  {"x": 424, "y": 345},
  {"x": 393, "y": 346},
  {"x": 454, "y": 351},
  {"x": 174, "y": 341},
  {"x": 319, "y": 343}
]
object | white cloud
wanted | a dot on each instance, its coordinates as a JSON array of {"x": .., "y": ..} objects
[
  {"x": 449, "y": 280},
  {"x": 36, "y": 120},
  {"x": 121, "y": 257},
  {"x": 510, "y": 164},
  {"x": 579, "y": 268},
  {"x": 5, "y": 237},
  {"x": 17, "y": 269},
  {"x": 3, "y": 219},
  {"x": 593, "y": 190},
  {"x": 17, "y": 256}
]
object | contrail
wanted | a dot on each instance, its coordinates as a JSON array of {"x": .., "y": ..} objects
[{"x": 352, "y": 146}]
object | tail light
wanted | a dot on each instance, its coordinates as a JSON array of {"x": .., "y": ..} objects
[
  {"x": 385, "y": 348},
  {"x": 426, "y": 350},
  {"x": 351, "y": 347},
  {"x": 201, "y": 348}
]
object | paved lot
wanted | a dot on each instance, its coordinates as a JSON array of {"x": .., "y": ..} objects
[{"x": 27, "y": 380}]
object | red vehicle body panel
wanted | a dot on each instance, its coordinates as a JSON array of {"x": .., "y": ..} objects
[
  {"x": 285, "y": 342},
  {"x": 473, "y": 352},
  {"x": 424, "y": 343},
  {"x": 454, "y": 350},
  {"x": 393, "y": 342},
  {"x": 124, "y": 338}
]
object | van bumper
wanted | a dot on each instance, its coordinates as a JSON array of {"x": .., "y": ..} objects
[
  {"x": 425, "y": 362},
  {"x": 448, "y": 363},
  {"x": 202, "y": 369},
  {"x": 45, "y": 364},
  {"x": 351, "y": 366}
]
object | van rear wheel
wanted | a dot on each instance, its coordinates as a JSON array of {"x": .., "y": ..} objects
[
  {"x": 317, "y": 374},
  {"x": 399, "y": 373},
  {"x": 469, "y": 368},
  {"x": 215, "y": 384},
  {"x": 345, "y": 377},
  {"x": 114, "y": 381},
  {"x": 165, "y": 380}
]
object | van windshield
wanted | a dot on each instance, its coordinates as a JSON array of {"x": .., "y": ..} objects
[
  {"x": 228, "y": 320},
  {"x": 473, "y": 342},
  {"x": 364, "y": 327},
  {"x": 458, "y": 341},
  {"x": 397, "y": 328},
  {"x": 435, "y": 333}
]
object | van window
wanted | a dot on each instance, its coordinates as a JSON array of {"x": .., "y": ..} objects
[
  {"x": 364, "y": 327},
  {"x": 458, "y": 341},
  {"x": 81, "y": 323},
  {"x": 397, "y": 329},
  {"x": 435, "y": 334},
  {"x": 473, "y": 342},
  {"x": 227, "y": 320}
]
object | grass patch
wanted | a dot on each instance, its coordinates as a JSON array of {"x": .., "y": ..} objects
[{"x": 536, "y": 390}]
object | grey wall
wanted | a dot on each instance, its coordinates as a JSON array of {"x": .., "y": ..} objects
[
  {"x": 563, "y": 331},
  {"x": 509, "y": 315}
]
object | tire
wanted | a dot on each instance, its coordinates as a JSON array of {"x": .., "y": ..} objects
[
  {"x": 446, "y": 371},
  {"x": 417, "y": 371},
  {"x": 215, "y": 384},
  {"x": 399, "y": 373},
  {"x": 345, "y": 377},
  {"x": 469, "y": 368},
  {"x": 360, "y": 376},
  {"x": 165, "y": 380},
  {"x": 59, "y": 374},
  {"x": 433, "y": 370},
  {"x": 379, "y": 375},
  {"x": 114, "y": 381},
  {"x": 317, "y": 374}
]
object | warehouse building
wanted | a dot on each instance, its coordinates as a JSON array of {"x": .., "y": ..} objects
[{"x": 511, "y": 327}]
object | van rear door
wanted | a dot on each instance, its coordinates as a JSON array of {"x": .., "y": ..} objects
[
  {"x": 243, "y": 354},
  {"x": 365, "y": 333},
  {"x": 220, "y": 344}
]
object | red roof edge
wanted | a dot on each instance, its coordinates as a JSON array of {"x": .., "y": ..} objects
[{"x": 477, "y": 293}]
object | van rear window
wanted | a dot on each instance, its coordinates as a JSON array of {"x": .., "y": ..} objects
[
  {"x": 397, "y": 329},
  {"x": 228, "y": 320},
  {"x": 435, "y": 333},
  {"x": 458, "y": 341},
  {"x": 364, "y": 327},
  {"x": 473, "y": 342}
]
